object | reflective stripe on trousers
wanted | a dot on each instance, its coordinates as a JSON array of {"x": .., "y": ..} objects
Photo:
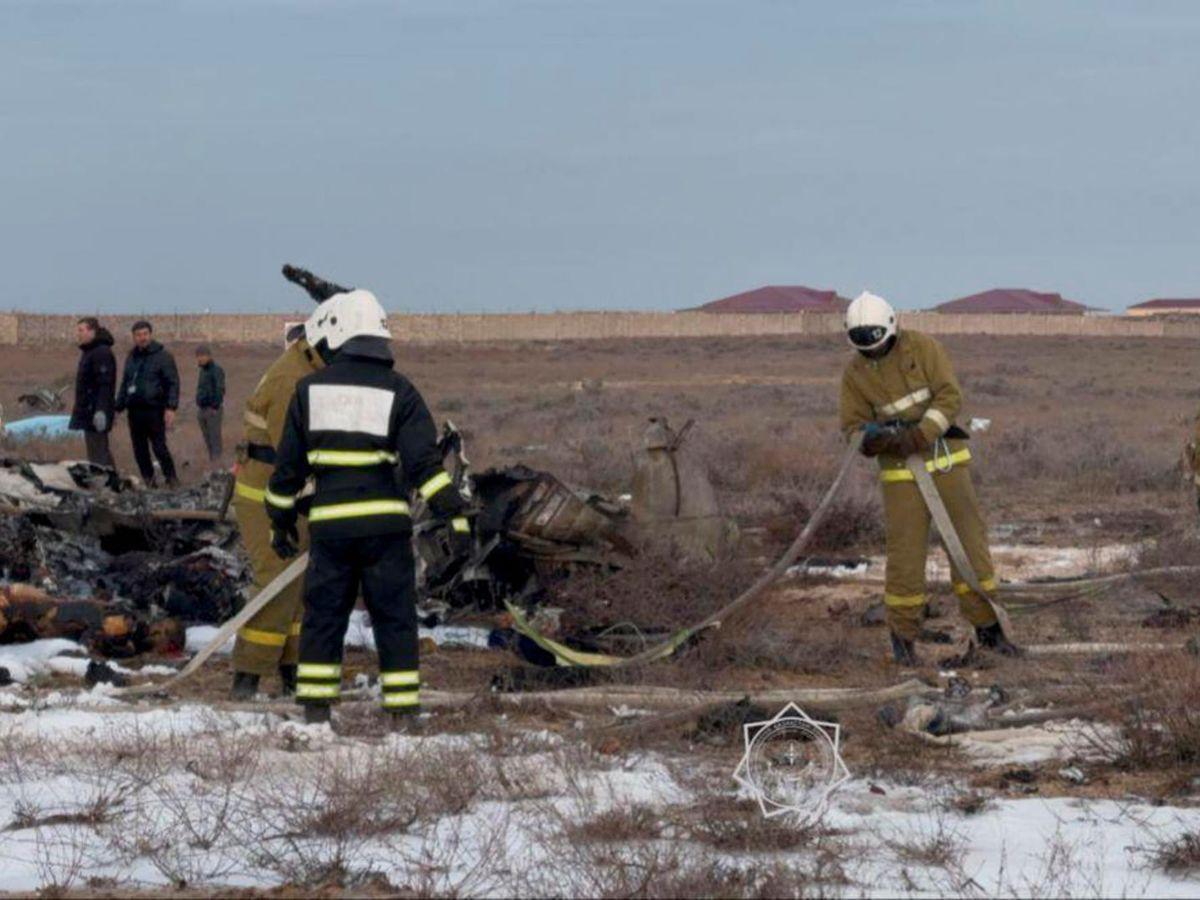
[
  {"x": 400, "y": 688},
  {"x": 318, "y": 681},
  {"x": 936, "y": 466},
  {"x": 250, "y": 493}
]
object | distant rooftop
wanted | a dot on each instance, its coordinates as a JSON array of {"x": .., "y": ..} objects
[
  {"x": 778, "y": 299},
  {"x": 1167, "y": 303},
  {"x": 1012, "y": 300}
]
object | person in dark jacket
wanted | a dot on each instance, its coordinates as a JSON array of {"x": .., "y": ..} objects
[
  {"x": 363, "y": 431},
  {"x": 210, "y": 399},
  {"x": 95, "y": 389},
  {"x": 150, "y": 394}
]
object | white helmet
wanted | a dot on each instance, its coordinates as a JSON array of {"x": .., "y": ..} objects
[
  {"x": 870, "y": 322},
  {"x": 345, "y": 316}
]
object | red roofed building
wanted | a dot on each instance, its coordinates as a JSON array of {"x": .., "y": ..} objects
[
  {"x": 778, "y": 299},
  {"x": 1165, "y": 307},
  {"x": 1012, "y": 300}
]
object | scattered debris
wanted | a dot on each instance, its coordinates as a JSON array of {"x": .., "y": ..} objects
[
  {"x": 87, "y": 557},
  {"x": 49, "y": 398},
  {"x": 1073, "y": 774}
]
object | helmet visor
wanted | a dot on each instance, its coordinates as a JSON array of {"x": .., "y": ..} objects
[{"x": 867, "y": 336}]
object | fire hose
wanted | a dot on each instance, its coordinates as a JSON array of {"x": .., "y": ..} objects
[{"x": 569, "y": 656}]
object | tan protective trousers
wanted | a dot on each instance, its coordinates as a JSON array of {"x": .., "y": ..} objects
[
  {"x": 907, "y": 520},
  {"x": 272, "y": 637}
]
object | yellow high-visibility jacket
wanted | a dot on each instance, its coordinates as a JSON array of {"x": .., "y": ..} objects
[
  {"x": 913, "y": 383},
  {"x": 266, "y": 411}
]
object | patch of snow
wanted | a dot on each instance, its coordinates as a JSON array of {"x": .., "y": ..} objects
[
  {"x": 1012, "y": 847},
  {"x": 24, "y": 661}
]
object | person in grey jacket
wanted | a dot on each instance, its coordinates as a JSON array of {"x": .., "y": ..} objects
[{"x": 150, "y": 394}]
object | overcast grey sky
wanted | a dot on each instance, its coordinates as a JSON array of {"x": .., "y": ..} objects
[{"x": 629, "y": 154}]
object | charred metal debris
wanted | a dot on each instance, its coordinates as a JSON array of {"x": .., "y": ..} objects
[{"x": 88, "y": 556}]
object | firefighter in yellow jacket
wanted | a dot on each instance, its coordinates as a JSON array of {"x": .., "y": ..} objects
[
  {"x": 900, "y": 388},
  {"x": 270, "y": 641}
]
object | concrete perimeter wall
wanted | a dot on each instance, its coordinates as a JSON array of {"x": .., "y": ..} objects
[{"x": 30, "y": 328}]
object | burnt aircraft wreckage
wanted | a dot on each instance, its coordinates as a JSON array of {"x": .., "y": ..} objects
[{"x": 87, "y": 555}]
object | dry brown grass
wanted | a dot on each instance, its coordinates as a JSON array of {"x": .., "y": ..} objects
[
  {"x": 1159, "y": 723},
  {"x": 1078, "y": 424}
]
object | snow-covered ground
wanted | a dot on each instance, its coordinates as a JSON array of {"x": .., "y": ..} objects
[{"x": 93, "y": 789}]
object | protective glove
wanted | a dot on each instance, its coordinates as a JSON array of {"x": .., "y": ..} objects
[
  {"x": 875, "y": 439},
  {"x": 100, "y": 420},
  {"x": 285, "y": 539},
  {"x": 459, "y": 537},
  {"x": 907, "y": 441}
]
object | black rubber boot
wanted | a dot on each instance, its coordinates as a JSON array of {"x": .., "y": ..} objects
[
  {"x": 992, "y": 637},
  {"x": 904, "y": 652},
  {"x": 287, "y": 680},
  {"x": 317, "y": 713},
  {"x": 245, "y": 686}
]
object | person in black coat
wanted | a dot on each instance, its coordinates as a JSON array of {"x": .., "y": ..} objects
[
  {"x": 95, "y": 389},
  {"x": 150, "y": 393}
]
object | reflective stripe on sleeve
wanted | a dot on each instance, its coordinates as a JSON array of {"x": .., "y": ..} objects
[
  {"x": 350, "y": 457},
  {"x": 460, "y": 524},
  {"x": 408, "y": 678},
  {"x": 904, "y": 600},
  {"x": 254, "y": 420},
  {"x": 250, "y": 493},
  {"x": 294, "y": 630},
  {"x": 433, "y": 485},
  {"x": 938, "y": 418},
  {"x": 279, "y": 501},
  {"x": 361, "y": 508},
  {"x": 265, "y": 638},
  {"x": 935, "y": 466},
  {"x": 897, "y": 406}
]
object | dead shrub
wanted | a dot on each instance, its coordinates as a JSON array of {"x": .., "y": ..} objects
[
  {"x": 1179, "y": 855},
  {"x": 1090, "y": 456},
  {"x": 805, "y": 649},
  {"x": 967, "y": 803},
  {"x": 738, "y": 826},
  {"x": 854, "y": 523},
  {"x": 933, "y": 843},
  {"x": 706, "y": 877},
  {"x": 657, "y": 592},
  {"x": 1158, "y": 726},
  {"x": 631, "y": 823}
]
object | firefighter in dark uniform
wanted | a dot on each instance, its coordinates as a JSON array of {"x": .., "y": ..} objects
[{"x": 363, "y": 432}]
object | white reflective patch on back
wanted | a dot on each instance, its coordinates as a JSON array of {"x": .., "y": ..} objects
[{"x": 344, "y": 407}]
